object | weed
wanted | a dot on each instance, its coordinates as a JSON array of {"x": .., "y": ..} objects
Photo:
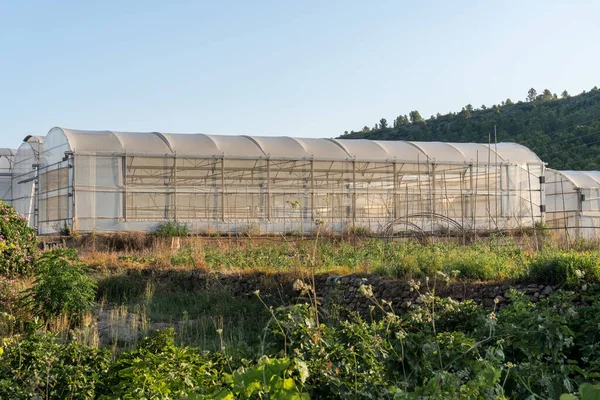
[{"x": 171, "y": 229}]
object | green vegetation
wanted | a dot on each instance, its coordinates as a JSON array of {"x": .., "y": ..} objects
[
  {"x": 397, "y": 259},
  {"x": 139, "y": 325},
  {"x": 438, "y": 350},
  {"x": 61, "y": 286},
  {"x": 171, "y": 229},
  {"x": 561, "y": 131},
  {"x": 17, "y": 242}
]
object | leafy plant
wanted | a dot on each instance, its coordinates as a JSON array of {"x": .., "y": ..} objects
[
  {"x": 18, "y": 243},
  {"x": 171, "y": 229},
  {"x": 37, "y": 366},
  {"x": 61, "y": 286}
]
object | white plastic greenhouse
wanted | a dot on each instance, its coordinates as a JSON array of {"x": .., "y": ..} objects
[
  {"x": 573, "y": 202},
  {"x": 6, "y": 164},
  {"x": 109, "y": 181},
  {"x": 24, "y": 177}
]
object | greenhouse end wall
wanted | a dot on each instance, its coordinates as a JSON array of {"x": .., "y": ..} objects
[
  {"x": 110, "y": 181},
  {"x": 573, "y": 203}
]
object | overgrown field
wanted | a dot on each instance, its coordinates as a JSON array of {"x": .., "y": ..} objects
[
  {"x": 135, "y": 324},
  {"x": 485, "y": 261}
]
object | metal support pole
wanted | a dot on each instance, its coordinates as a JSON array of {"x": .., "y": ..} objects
[
  {"x": 124, "y": 183},
  {"x": 268, "y": 189},
  {"x": 312, "y": 190},
  {"x": 578, "y": 216},
  {"x": 353, "y": 193},
  {"x": 223, "y": 189},
  {"x": 73, "y": 204},
  {"x": 473, "y": 198},
  {"x": 175, "y": 188},
  {"x": 395, "y": 190}
]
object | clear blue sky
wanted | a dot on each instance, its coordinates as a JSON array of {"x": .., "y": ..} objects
[{"x": 298, "y": 68}]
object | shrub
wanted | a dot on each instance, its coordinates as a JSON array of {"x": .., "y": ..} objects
[
  {"x": 159, "y": 369},
  {"x": 171, "y": 229},
  {"x": 17, "y": 242},
  {"x": 565, "y": 268},
  {"x": 61, "y": 285},
  {"x": 38, "y": 366}
]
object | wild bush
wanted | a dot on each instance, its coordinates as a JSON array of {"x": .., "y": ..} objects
[
  {"x": 171, "y": 229},
  {"x": 38, "y": 366},
  {"x": 570, "y": 268},
  {"x": 62, "y": 285},
  {"x": 18, "y": 243}
]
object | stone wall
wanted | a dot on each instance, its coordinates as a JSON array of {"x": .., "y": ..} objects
[{"x": 345, "y": 290}]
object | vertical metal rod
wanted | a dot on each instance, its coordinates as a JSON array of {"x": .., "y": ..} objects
[
  {"x": 498, "y": 175},
  {"x": 124, "y": 183},
  {"x": 531, "y": 207},
  {"x": 475, "y": 196},
  {"x": 565, "y": 219},
  {"x": 395, "y": 212},
  {"x": 487, "y": 173},
  {"x": 223, "y": 189},
  {"x": 175, "y": 187},
  {"x": 312, "y": 189},
  {"x": 463, "y": 204},
  {"x": 353, "y": 193},
  {"x": 432, "y": 197},
  {"x": 268, "y": 189},
  {"x": 73, "y": 204},
  {"x": 578, "y": 216}
]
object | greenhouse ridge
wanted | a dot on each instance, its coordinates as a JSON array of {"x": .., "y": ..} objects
[
  {"x": 107, "y": 181},
  {"x": 285, "y": 147}
]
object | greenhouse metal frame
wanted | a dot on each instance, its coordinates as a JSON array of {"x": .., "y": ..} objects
[{"x": 111, "y": 181}]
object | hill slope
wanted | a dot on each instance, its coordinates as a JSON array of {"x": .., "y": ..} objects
[{"x": 565, "y": 132}]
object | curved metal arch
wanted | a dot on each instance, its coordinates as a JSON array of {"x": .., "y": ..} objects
[
  {"x": 389, "y": 232},
  {"x": 433, "y": 216}
]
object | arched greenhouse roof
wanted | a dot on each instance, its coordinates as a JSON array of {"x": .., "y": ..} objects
[
  {"x": 581, "y": 179},
  {"x": 155, "y": 143},
  {"x": 7, "y": 152},
  {"x": 7, "y": 157}
]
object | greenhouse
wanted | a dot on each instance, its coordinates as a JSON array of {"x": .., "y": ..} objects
[
  {"x": 24, "y": 176},
  {"x": 109, "y": 181},
  {"x": 7, "y": 157},
  {"x": 573, "y": 202}
]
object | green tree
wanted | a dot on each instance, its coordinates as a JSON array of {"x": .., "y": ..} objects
[
  {"x": 383, "y": 123},
  {"x": 531, "y": 95},
  {"x": 469, "y": 111},
  {"x": 546, "y": 95},
  {"x": 509, "y": 102},
  {"x": 415, "y": 117},
  {"x": 565, "y": 94}
]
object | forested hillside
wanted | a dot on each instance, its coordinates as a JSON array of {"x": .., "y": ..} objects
[{"x": 564, "y": 131}]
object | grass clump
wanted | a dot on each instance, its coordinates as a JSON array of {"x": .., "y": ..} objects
[
  {"x": 171, "y": 229},
  {"x": 569, "y": 268}
]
